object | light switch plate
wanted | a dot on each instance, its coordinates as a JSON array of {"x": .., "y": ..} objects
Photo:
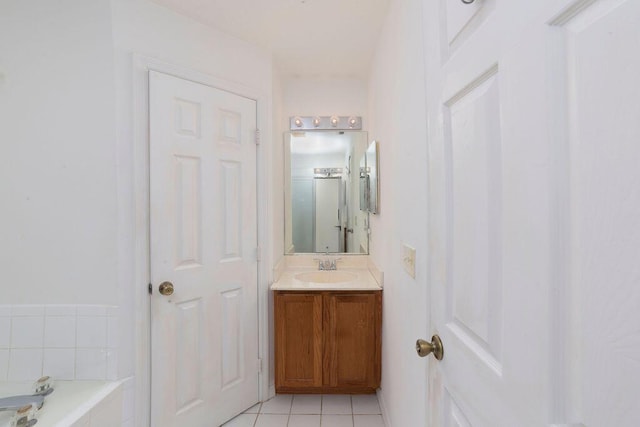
[{"x": 409, "y": 260}]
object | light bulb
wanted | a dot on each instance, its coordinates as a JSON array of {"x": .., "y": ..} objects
[
  {"x": 316, "y": 121},
  {"x": 334, "y": 121},
  {"x": 298, "y": 121}
]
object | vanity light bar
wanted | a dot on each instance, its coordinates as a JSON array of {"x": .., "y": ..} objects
[
  {"x": 325, "y": 123},
  {"x": 327, "y": 172}
]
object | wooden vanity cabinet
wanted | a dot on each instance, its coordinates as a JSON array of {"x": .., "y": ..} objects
[
  {"x": 298, "y": 340},
  {"x": 327, "y": 341}
]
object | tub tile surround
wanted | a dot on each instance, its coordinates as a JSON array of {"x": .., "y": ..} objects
[{"x": 67, "y": 342}]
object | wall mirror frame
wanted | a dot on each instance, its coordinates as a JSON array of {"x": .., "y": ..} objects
[
  {"x": 369, "y": 179},
  {"x": 322, "y": 192}
]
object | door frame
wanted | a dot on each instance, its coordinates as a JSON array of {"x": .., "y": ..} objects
[{"x": 141, "y": 144}]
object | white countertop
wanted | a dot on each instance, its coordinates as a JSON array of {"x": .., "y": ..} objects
[{"x": 350, "y": 279}]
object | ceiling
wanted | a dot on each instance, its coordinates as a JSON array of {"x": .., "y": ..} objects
[{"x": 308, "y": 38}]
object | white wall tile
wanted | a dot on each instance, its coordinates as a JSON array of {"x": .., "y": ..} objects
[
  {"x": 5, "y": 331},
  {"x": 4, "y": 364},
  {"x": 113, "y": 331},
  {"x": 65, "y": 341},
  {"x": 27, "y": 310},
  {"x": 60, "y": 363},
  {"x": 91, "y": 331},
  {"x": 60, "y": 332},
  {"x": 92, "y": 310},
  {"x": 27, "y": 331},
  {"x": 25, "y": 364},
  {"x": 60, "y": 310},
  {"x": 91, "y": 364},
  {"x": 112, "y": 364}
]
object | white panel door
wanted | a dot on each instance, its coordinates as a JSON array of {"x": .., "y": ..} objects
[
  {"x": 203, "y": 240},
  {"x": 327, "y": 215},
  {"x": 534, "y": 211}
]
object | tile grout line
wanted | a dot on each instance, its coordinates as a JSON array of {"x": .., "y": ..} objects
[
  {"x": 257, "y": 415},
  {"x": 353, "y": 418}
]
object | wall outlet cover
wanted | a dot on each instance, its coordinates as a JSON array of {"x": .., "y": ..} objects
[{"x": 409, "y": 260}]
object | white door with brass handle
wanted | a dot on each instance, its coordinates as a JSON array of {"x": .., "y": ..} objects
[
  {"x": 204, "y": 327},
  {"x": 534, "y": 211}
]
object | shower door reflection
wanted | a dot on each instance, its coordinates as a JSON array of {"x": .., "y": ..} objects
[{"x": 322, "y": 211}]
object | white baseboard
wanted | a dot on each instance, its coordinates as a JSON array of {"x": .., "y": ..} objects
[{"x": 383, "y": 408}]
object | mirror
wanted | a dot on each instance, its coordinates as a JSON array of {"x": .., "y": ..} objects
[
  {"x": 369, "y": 179},
  {"x": 322, "y": 206}
]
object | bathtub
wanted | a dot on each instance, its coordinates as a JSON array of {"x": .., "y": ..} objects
[{"x": 72, "y": 404}]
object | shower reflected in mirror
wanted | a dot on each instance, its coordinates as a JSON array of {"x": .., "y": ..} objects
[{"x": 322, "y": 191}]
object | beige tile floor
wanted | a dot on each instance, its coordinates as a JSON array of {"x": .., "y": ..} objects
[{"x": 306, "y": 410}]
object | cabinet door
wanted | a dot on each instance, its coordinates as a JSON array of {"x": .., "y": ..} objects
[
  {"x": 298, "y": 340},
  {"x": 352, "y": 324}
]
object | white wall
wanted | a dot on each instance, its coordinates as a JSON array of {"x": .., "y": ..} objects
[
  {"x": 397, "y": 117},
  {"x": 57, "y": 168},
  {"x": 66, "y": 126},
  {"x": 144, "y": 28},
  {"x": 278, "y": 203},
  {"x": 277, "y": 161},
  {"x": 324, "y": 97}
]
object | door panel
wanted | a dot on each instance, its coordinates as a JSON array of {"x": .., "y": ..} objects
[
  {"x": 534, "y": 212},
  {"x": 189, "y": 364},
  {"x": 188, "y": 208},
  {"x": 232, "y": 349},
  {"x": 603, "y": 42},
  {"x": 474, "y": 312},
  {"x": 203, "y": 239},
  {"x": 462, "y": 20}
]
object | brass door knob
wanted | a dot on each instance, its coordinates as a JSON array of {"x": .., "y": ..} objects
[
  {"x": 425, "y": 348},
  {"x": 166, "y": 288}
]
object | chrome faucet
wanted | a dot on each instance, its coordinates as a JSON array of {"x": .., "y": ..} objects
[{"x": 328, "y": 264}]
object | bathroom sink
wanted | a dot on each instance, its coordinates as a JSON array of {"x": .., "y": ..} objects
[{"x": 324, "y": 277}]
